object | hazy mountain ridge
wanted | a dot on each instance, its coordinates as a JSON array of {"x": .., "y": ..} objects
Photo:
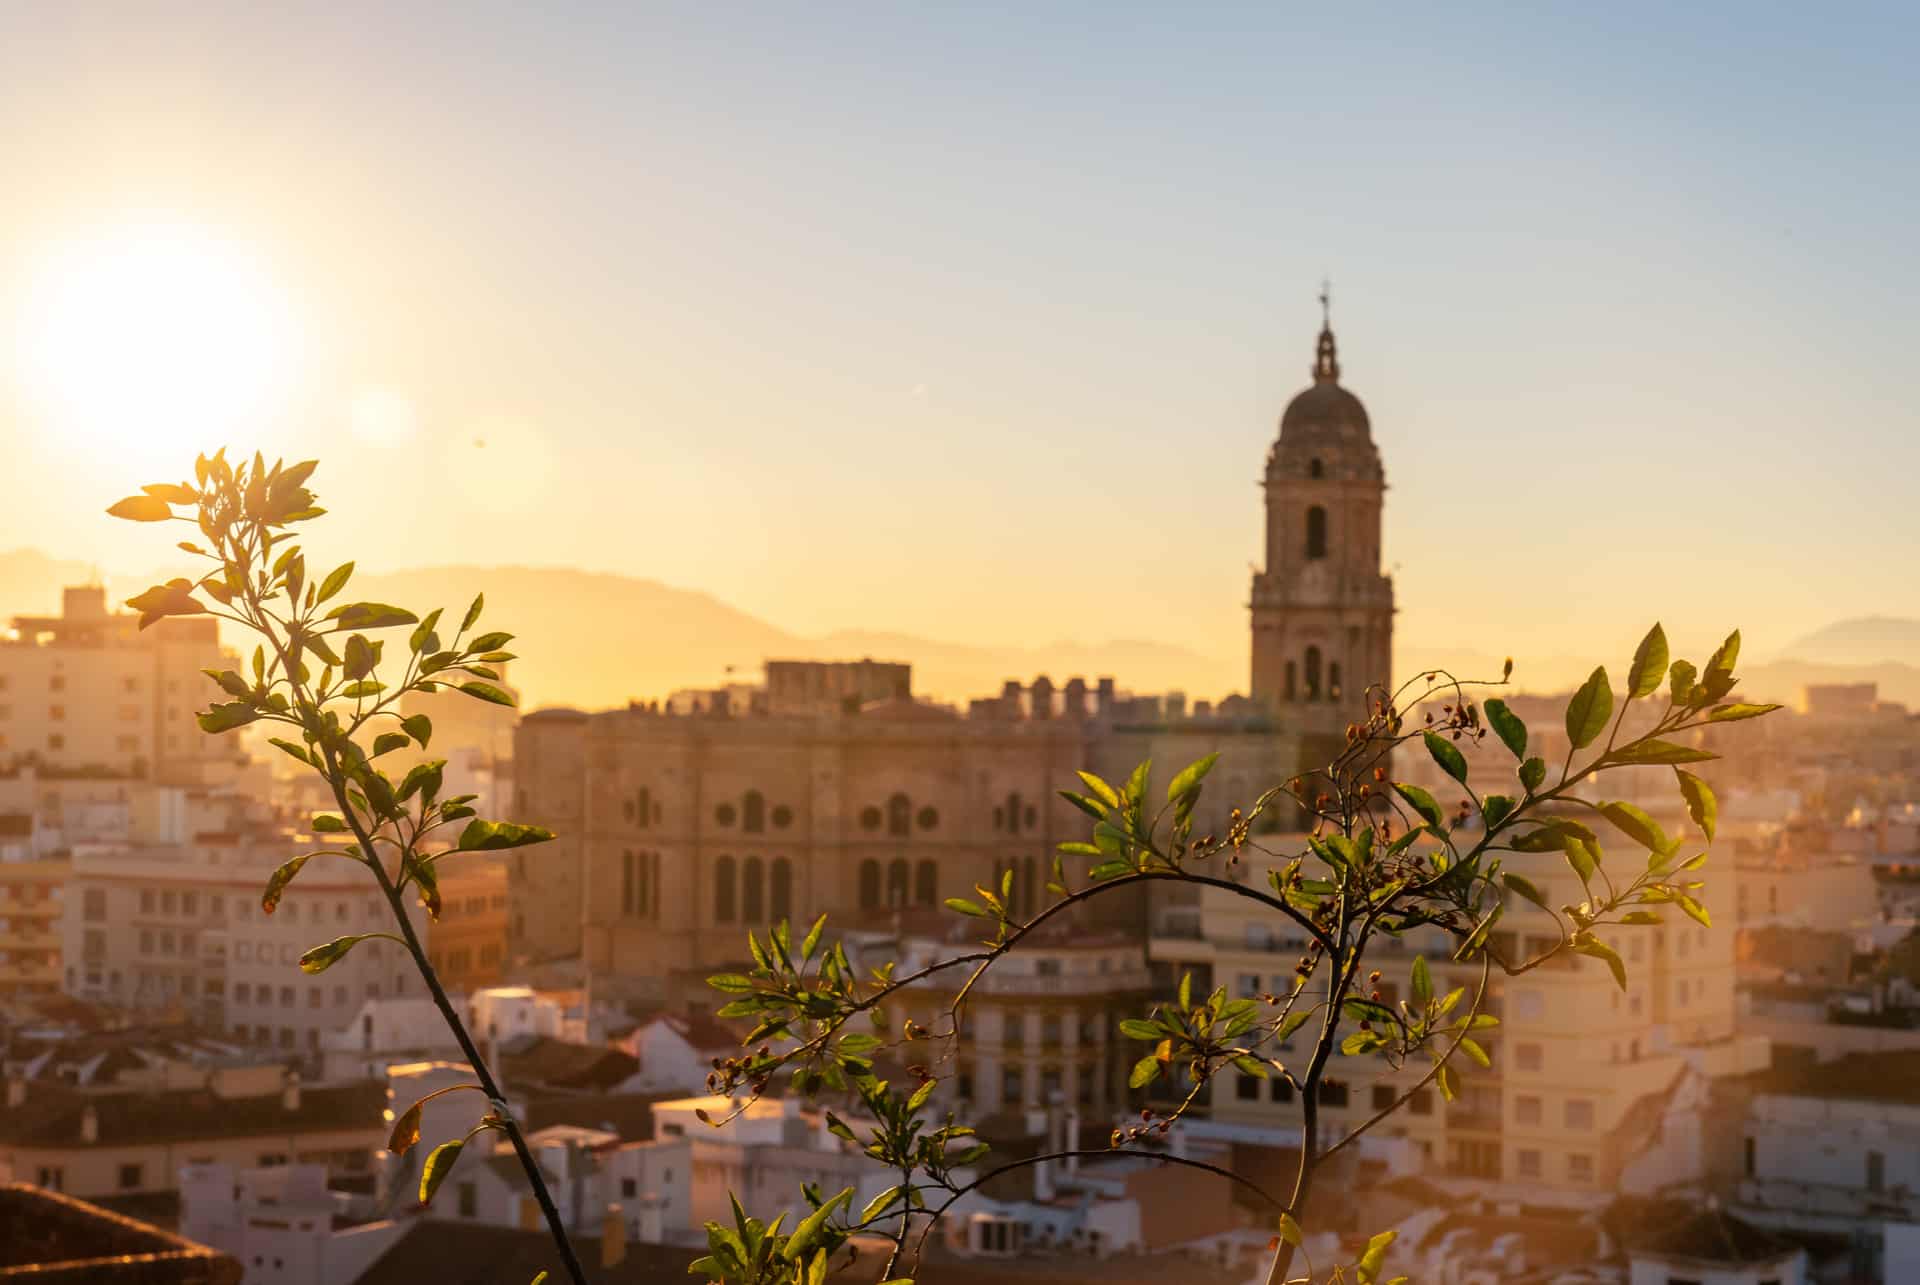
[{"x": 595, "y": 639}]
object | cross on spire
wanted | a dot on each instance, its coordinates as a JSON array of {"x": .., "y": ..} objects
[
  {"x": 1326, "y": 304},
  {"x": 1326, "y": 362}
]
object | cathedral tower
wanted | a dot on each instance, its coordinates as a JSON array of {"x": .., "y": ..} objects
[{"x": 1322, "y": 609}]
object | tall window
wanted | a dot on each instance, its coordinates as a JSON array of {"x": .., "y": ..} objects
[
  {"x": 926, "y": 884},
  {"x": 1316, "y": 532},
  {"x": 897, "y": 882},
  {"x": 1313, "y": 673},
  {"x": 899, "y": 815},
  {"x": 869, "y": 884},
  {"x": 1013, "y": 812},
  {"x": 781, "y": 897},
  {"x": 723, "y": 890},
  {"x": 753, "y": 904},
  {"x": 753, "y": 813}
]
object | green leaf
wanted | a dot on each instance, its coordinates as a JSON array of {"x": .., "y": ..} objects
[
  {"x": 1101, "y": 790},
  {"x": 1190, "y": 777},
  {"x": 1186, "y": 991},
  {"x": 1494, "y": 809},
  {"x": 1422, "y": 982},
  {"x": 1588, "y": 711},
  {"x": 732, "y": 983},
  {"x": 1144, "y": 1072},
  {"x": 1360, "y": 1043},
  {"x": 226, "y": 717},
  {"x": 1532, "y": 773},
  {"x": 811, "y": 1226},
  {"x": 1654, "y": 752},
  {"x": 487, "y": 692},
  {"x": 492, "y": 836},
  {"x": 1586, "y": 944},
  {"x": 327, "y": 954},
  {"x": 1366, "y": 1010},
  {"x": 1681, "y": 688},
  {"x": 1702, "y": 806},
  {"x": 277, "y": 882},
  {"x": 1421, "y": 801},
  {"x": 1524, "y": 888},
  {"x": 1085, "y": 804},
  {"x": 336, "y": 581},
  {"x": 1136, "y": 1028},
  {"x": 1507, "y": 726},
  {"x": 387, "y": 742},
  {"x": 439, "y": 1165},
  {"x": 1695, "y": 911},
  {"x": 1636, "y": 825},
  {"x": 295, "y": 751},
  {"x": 1473, "y": 1050},
  {"x": 962, "y": 906},
  {"x": 1450, "y": 759},
  {"x": 1649, "y": 664},
  {"x": 1584, "y": 858},
  {"x": 473, "y": 612},
  {"x": 1368, "y": 1268},
  {"x": 141, "y": 508},
  {"x": 419, "y": 727},
  {"x": 1734, "y": 713},
  {"x": 1290, "y": 1231},
  {"x": 371, "y": 615},
  {"x": 422, "y": 778},
  {"x": 328, "y": 823},
  {"x": 406, "y": 1130},
  {"x": 879, "y": 1203},
  {"x": 1724, "y": 657}
]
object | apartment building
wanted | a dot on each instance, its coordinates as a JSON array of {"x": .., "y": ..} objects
[
  {"x": 470, "y": 939},
  {"x": 178, "y": 929},
  {"x": 32, "y": 896},
  {"x": 88, "y": 690},
  {"x": 1578, "y": 1064}
]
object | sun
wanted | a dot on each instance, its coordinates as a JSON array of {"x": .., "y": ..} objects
[{"x": 155, "y": 338}]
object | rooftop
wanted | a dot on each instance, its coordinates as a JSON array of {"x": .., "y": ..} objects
[
  {"x": 48, "y": 1237},
  {"x": 1892, "y": 1076},
  {"x": 53, "y": 1115},
  {"x": 1711, "y": 1235},
  {"x": 458, "y": 1253}
]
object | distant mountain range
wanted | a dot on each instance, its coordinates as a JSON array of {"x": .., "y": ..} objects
[{"x": 595, "y": 640}]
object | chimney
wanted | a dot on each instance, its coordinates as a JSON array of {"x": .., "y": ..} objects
[
  {"x": 1042, "y": 697},
  {"x": 1076, "y": 705},
  {"x": 290, "y": 1091},
  {"x": 613, "y": 1237},
  {"x": 1043, "y": 1182},
  {"x": 89, "y": 1124},
  {"x": 16, "y": 1093}
]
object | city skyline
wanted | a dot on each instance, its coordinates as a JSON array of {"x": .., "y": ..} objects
[{"x": 854, "y": 334}]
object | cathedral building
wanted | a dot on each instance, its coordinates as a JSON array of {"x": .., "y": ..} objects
[
  {"x": 1322, "y": 608},
  {"x": 840, "y": 793}
]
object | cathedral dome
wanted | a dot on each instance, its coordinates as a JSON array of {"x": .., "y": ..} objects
[{"x": 1326, "y": 412}]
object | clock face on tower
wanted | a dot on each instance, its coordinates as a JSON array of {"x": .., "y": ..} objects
[{"x": 1322, "y": 611}]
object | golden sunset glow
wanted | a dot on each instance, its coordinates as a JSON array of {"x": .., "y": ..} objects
[{"x": 155, "y": 337}]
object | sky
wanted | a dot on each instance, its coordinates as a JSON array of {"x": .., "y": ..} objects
[{"x": 975, "y": 321}]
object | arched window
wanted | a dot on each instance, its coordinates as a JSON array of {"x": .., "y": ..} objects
[
  {"x": 1316, "y": 469},
  {"x": 753, "y": 901},
  {"x": 1316, "y": 532},
  {"x": 926, "y": 884},
  {"x": 1313, "y": 673},
  {"x": 782, "y": 889},
  {"x": 1013, "y": 812},
  {"x": 1293, "y": 672},
  {"x": 869, "y": 884},
  {"x": 723, "y": 890},
  {"x": 899, "y": 814},
  {"x": 897, "y": 882},
  {"x": 753, "y": 813},
  {"x": 1333, "y": 681}
]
